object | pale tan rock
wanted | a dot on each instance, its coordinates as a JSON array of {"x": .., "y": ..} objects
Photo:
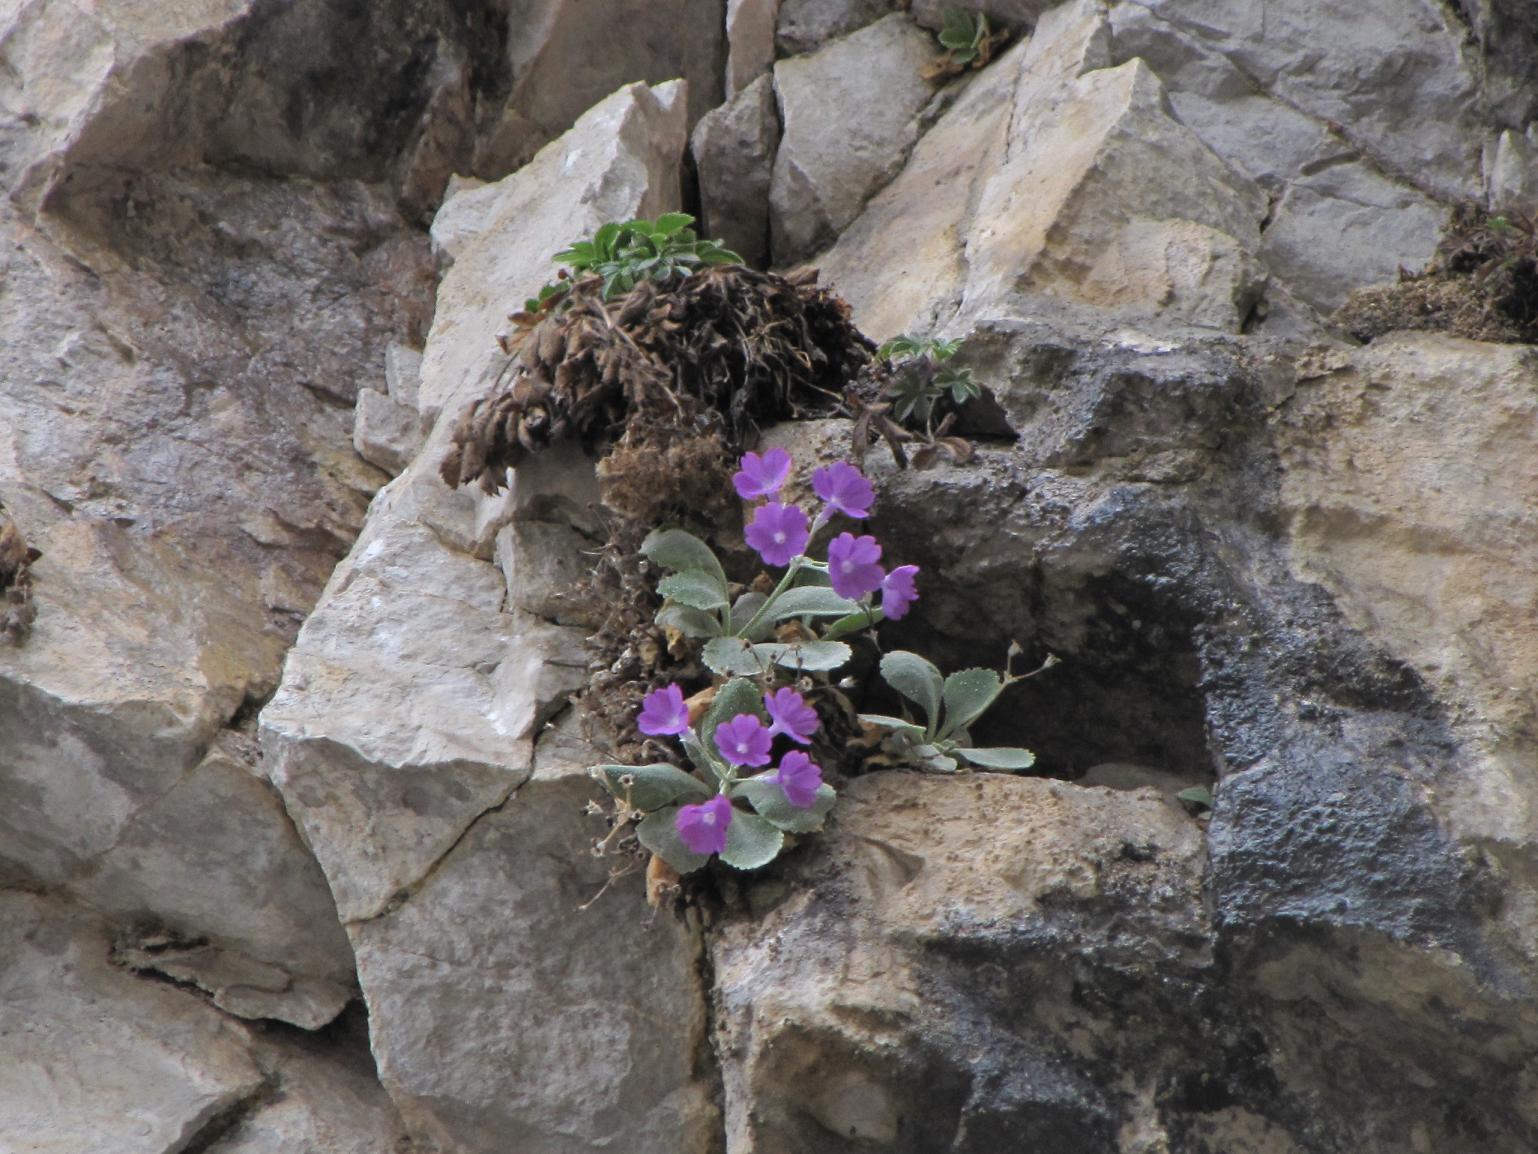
[
  {"x": 1055, "y": 174},
  {"x": 386, "y": 432},
  {"x": 831, "y": 162},
  {"x": 1410, "y": 485}
]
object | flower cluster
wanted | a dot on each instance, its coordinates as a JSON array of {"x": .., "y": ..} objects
[
  {"x": 743, "y": 741},
  {"x": 780, "y": 533}
]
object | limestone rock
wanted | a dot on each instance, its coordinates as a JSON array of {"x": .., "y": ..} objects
[
  {"x": 385, "y": 432},
  {"x": 403, "y": 374},
  {"x": 829, "y": 165},
  {"x": 511, "y": 1009},
  {"x": 97, "y": 1059},
  {"x": 567, "y": 57},
  {"x": 1054, "y": 174},
  {"x": 622, "y": 153},
  {"x": 1343, "y": 226},
  {"x": 1418, "y": 119},
  {"x": 867, "y": 997},
  {"x": 407, "y": 735},
  {"x": 750, "y": 42},
  {"x": 1414, "y": 506},
  {"x": 806, "y": 25},
  {"x": 1511, "y": 172},
  {"x": 322, "y": 1097},
  {"x": 734, "y": 149}
]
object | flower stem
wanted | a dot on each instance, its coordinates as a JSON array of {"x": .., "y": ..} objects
[{"x": 790, "y": 572}]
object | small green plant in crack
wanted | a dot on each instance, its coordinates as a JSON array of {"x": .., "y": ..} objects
[
  {"x": 918, "y": 395},
  {"x": 625, "y": 253},
  {"x": 923, "y": 375},
  {"x": 949, "y": 705},
  {"x": 968, "y": 42}
]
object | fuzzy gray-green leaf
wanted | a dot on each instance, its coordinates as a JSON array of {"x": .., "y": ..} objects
[
  {"x": 695, "y": 588},
  {"x": 676, "y": 550},
  {"x": 690, "y": 622},
  {"x": 658, "y": 834},
  {"x": 917, "y": 680},
  {"x": 812, "y": 656},
  {"x": 739, "y": 695},
  {"x": 999, "y": 757},
  {"x": 734, "y": 657},
  {"x": 770, "y": 801},
  {"x": 968, "y": 695},
  {"x": 811, "y": 601},
  {"x": 751, "y": 841},
  {"x": 649, "y": 787}
]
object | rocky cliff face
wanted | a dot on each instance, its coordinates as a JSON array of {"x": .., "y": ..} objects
[{"x": 292, "y": 849}]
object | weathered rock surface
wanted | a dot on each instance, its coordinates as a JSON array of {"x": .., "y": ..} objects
[
  {"x": 806, "y": 25},
  {"x": 171, "y": 438},
  {"x": 566, "y": 57},
  {"x": 827, "y": 167},
  {"x": 1300, "y": 577},
  {"x": 897, "y": 996},
  {"x": 734, "y": 149},
  {"x": 750, "y": 42},
  {"x": 405, "y": 735}
]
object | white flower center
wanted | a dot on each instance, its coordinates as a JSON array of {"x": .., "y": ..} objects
[
  {"x": 779, "y": 538},
  {"x": 708, "y": 817}
]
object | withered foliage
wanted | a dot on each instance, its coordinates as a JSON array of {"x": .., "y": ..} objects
[
  {"x": 16, "y": 608},
  {"x": 1481, "y": 284},
  {"x": 667, "y": 380}
]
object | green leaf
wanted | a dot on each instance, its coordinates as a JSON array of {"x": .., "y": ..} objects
[
  {"x": 658, "y": 834},
  {"x": 694, "y": 587},
  {"x": 864, "y": 619},
  {"x": 751, "y": 841},
  {"x": 999, "y": 757},
  {"x": 968, "y": 695},
  {"x": 811, "y": 601},
  {"x": 770, "y": 801},
  {"x": 897, "y": 723},
  {"x": 739, "y": 695},
  {"x": 670, "y": 222},
  {"x": 917, "y": 680},
  {"x": 734, "y": 657},
  {"x": 649, "y": 787},
  {"x": 812, "y": 656},
  {"x": 695, "y": 623},
  {"x": 1197, "y": 795},
  {"x": 676, "y": 551},
  {"x": 957, "y": 29}
]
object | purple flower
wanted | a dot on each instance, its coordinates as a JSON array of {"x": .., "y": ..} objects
[
  {"x": 703, "y": 827},
  {"x": 852, "y": 565},
  {"x": 897, "y": 591},
  {"x": 761, "y": 476},
  {"x": 799, "y": 776},
  {"x": 663, "y": 712},
  {"x": 845, "y": 489},
  {"x": 778, "y": 532},
  {"x": 743, "y": 740},
  {"x": 791, "y": 715}
]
